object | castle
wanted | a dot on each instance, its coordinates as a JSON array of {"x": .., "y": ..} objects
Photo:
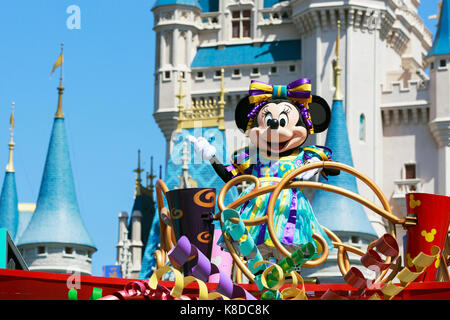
[{"x": 397, "y": 116}]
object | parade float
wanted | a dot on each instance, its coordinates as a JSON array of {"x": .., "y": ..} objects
[
  {"x": 187, "y": 267},
  {"x": 187, "y": 256}
]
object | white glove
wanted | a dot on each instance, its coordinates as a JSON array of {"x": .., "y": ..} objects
[
  {"x": 307, "y": 175},
  {"x": 202, "y": 147}
]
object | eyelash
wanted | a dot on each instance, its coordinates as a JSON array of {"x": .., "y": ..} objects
[{"x": 287, "y": 110}]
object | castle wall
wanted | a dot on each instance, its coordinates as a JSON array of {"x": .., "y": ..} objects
[{"x": 56, "y": 258}]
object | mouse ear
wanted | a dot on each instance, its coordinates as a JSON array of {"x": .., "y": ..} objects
[
  {"x": 243, "y": 108},
  {"x": 320, "y": 114}
]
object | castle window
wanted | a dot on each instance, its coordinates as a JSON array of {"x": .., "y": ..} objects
[
  {"x": 442, "y": 63},
  {"x": 255, "y": 72},
  {"x": 166, "y": 75},
  {"x": 236, "y": 72},
  {"x": 200, "y": 75},
  {"x": 218, "y": 73},
  {"x": 432, "y": 65},
  {"x": 273, "y": 69},
  {"x": 292, "y": 68},
  {"x": 354, "y": 239},
  {"x": 362, "y": 127},
  {"x": 410, "y": 171},
  {"x": 40, "y": 250},
  {"x": 68, "y": 250},
  {"x": 240, "y": 23}
]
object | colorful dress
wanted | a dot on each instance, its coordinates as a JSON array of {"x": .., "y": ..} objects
[{"x": 294, "y": 220}]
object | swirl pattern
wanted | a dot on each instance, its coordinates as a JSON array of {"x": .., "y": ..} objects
[
  {"x": 204, "y": 237},
  {"x": 209, "y": 196}
]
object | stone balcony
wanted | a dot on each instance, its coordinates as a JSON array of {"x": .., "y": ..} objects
[{"x": 401, "y": 188}]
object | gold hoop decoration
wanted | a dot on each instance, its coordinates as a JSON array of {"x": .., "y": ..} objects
[
  {"x": 167, "y": 236},
  {"x": 236, "y": 203},
  {"x": 343, "y": 260},
  {"x": 386, "y": 213}
]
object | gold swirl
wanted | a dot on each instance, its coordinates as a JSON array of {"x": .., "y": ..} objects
[
  {"x": 204, "y": 237},
  {"x": 176, "y": 214},
  {"x": 210, "y": 196}
]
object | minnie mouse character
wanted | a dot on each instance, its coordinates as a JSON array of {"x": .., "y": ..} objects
[{"x": 278, "y": 120}]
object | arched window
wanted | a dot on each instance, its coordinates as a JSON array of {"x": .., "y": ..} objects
[{"x": 362, "y": 127}]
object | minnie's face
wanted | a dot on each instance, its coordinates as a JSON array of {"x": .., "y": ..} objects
[{"x": 278, "y": 128}]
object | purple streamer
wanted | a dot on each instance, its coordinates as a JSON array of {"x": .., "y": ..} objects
[{"x": 203, "y": 269}]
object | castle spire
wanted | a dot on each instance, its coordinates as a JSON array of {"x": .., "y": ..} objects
[
  {"x": 9, "y": 213},
  {"x": 57, "y": 218},
  {"x": 337, "y": 67},
  {"x": 10, "y": 165},
  {"x": 347, "y": 216},
  {"x": 441, "y": 43}
]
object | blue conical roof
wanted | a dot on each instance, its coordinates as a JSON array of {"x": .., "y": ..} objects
[
  {"x": 9, "y": 213},
  {"x": 57, "y": 217},
  {"x": 149, "y": 260},
  {"x": 334, "y": 211},
  {"x": 441, "y": 44}
]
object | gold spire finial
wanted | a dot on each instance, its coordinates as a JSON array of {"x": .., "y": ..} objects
[
  {"x": 222, "y": 99},
  {"x": 180, "y": 94},
  {"x": 59, "y": 112},
  {"x": 11, "y": 144},
  {"x": 150, "y": 176},
  {"x": 180, "y": 97},
  {"x": 138, "y": 171},
  {"x": 337, "y": 67}
]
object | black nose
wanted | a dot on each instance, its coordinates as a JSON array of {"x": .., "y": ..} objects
[{"x": 274, "y": 124}]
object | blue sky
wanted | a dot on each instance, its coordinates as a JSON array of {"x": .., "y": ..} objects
[{"x": 108, "y": 101}]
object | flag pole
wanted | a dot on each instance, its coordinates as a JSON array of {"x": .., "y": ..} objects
[
  {"x": 62, "y": 64},
  {"x": 59, "y": 112},
  {"x": 10, "y": 165}
]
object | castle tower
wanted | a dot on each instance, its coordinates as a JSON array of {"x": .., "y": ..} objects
[
  {"x": 345, "y": 217},
  {"x": 382, "y": 42},
  {"x": 9, "y": 214},
  {"x": 134, "y": 232},
  {"x": 439, "y": 62},
  {"x": 175, "y": 24},
  {"x": 56, "y": 239}
]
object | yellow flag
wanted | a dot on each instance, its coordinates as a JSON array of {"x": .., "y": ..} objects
[
  {"x": 58, "y": 63},
  {"x": 11, "y": 118}
]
